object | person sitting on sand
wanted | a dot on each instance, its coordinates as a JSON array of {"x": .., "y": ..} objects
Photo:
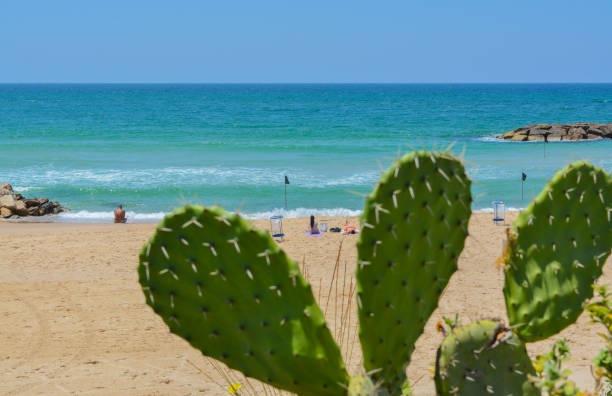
[
  {"x": 120, "y": 215},
  {"x": 313, "y": 227}
]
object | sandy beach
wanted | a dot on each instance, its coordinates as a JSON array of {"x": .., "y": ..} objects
[{"x": 74, "y": 319}]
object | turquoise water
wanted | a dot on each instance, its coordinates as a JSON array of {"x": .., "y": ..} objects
[{"x": 153, "y": 147}]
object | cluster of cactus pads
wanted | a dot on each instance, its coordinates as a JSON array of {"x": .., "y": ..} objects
[
  {"x": 555, "y": 253},
  {"x": 231, "y": 292}
]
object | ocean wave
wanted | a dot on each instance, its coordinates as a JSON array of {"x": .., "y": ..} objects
[
  {"x": 100, "y": 216},
  {"x": 188, "y": 176},
  {"x": 20, "y": 189},
  {"x": 491, "y": 138},
  {"x": 88, "y": 216},
  {"x": 301, "y": 212}
]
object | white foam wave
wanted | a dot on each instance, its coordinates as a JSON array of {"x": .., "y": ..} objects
[
  {"x": 86, "y": 216},
  {"x": 99, "y": 216},
  {"x": 19, "y": 189},
  {"x": 301, "y": 212},
  {"x": 190, "y": 176},
  {"x": 489, "y": 139}
]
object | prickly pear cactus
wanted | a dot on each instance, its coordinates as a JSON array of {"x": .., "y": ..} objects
[
  {"x": 232, "y": 293},
  {"x": 483, "y": 358},
  {"x": 413, "y": 229},
  {"x": 557, "y": 250}
]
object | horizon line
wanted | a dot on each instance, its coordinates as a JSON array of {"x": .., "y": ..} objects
[{"x": 303, "y": 83}]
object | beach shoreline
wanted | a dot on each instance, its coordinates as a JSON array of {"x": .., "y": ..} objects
[
  {"x": 76, "y": 319},
  {"x": 61, "y": 219}
]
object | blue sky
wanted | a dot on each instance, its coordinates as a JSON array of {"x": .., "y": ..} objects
[{"x": 313, "y": 41}]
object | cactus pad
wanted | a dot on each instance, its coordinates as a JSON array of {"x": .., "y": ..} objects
[
  {"x": 232, "y": 293},
  {"x": 413, "y": 229},
  {"x": 483, "y": 358},
  {"x": 557, "y": 250}
]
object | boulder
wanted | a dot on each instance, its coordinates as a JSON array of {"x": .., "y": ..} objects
[
  {"x": 576, "y": 133},
  {"x": 33, "y": 211},
  {"x": 595, "y": 131},
  {"x": 21, "y": 209},
  {"x": 31, "y": 202},
  {"x": 46, "y": 208},
  {"x": 5, "y": 212},
  {"x": 538, "y": 132},
  {"x": 6, "y": 189},
  {"x": 606, "y": 129},
  {"x": 519, "y": 138},
  {"x": 42, "y": 200},
  {"x": 8, "y": 201},
  {"x": 556, "y": 130}
]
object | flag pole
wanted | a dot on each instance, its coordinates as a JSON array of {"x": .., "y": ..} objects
[{"x": 286, "y": 182}]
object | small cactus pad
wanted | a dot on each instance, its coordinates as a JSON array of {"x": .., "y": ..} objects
[
  {"x": 483, "y": 358},
  {"x": 556, "y": 251},
  {"x": 231, "y": 292},
  {"x": 413, "y": 229}
]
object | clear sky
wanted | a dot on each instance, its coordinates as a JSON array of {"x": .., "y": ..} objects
[{"x": 307, "y": 41}]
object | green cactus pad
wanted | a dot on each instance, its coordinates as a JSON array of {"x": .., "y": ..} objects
[
  {"x": 413, "y": 229},
  {"x": 556, "y": 251},
  {"x": 483, "y": 358},
  {"x": 232, "y": 293}
]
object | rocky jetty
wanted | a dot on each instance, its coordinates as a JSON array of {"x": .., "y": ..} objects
[
  {"x": 14, "y": 206},
  {"x": 558, "y": 132}
]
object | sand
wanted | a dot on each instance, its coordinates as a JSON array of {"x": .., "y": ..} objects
[{"x": 74, "y": 320}]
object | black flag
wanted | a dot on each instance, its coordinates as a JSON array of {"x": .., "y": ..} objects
[
  {"x": 524, "y": 176},
  {"x": 286, "y": 180}
]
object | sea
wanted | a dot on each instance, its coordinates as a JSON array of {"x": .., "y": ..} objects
[{"x": 153, "y": 147}]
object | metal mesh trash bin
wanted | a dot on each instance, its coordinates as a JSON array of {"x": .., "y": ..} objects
[
  {"x": 499, "y": 212},
  {"x": 276, "y": 227}
]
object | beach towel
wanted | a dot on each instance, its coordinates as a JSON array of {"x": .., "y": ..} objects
[{"x": 313, "y": 235}]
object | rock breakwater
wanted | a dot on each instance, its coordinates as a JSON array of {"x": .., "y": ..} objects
[
  {"x": 559, "y": 132},
  {"x": 14, "y": 206}
]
